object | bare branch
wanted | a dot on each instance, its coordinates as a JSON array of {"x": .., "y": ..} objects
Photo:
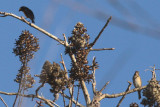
[
  {"x": 93, "y": 43},
  {"x": 48, "y": 102},
  {"x": 73, "y": 59},
  {"x": 34, "y": 26},
  {"x": 70, "y": 102},
  {"x": 65, "y": 40},
  {"x": 85, "y": 92},
  {"x": 64, "y": 99},
  {"x": 74, "y": 101},
  {"x": 104, "y": 86},
  {"x": 94, "y": 87},
  {"x": 120, "y": 101},
  {"x": 64, "y": 66},
  {"x": 3, "y": 101},
  {"x": 94, "y": 79},
  {"x": 121, "y": 94},
  {"x": 56, "y": 96},
  {"x": 77, "y": 96},
  {"x": 102, "y": 49},
  {"x": 19, "y": 90},
  {"x": 39, "y": 88}
]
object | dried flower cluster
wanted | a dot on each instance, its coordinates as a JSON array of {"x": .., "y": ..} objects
[
  {"x": 79, "y": 39},
  {"x": 54, "y": 76},
  {"x": 152, "y": 94},
  {"x": 24, "y": 48},
  {"x": 79, "y": 45}
]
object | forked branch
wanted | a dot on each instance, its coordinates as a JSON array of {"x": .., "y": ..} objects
[
  {"x": 120, "y": 101},
  {"x": 39, "y": 88}
]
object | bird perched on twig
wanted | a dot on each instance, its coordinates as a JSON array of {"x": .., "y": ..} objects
[
  {"x": 27, "y": 12},
  {"x": 137, "y": 82}
]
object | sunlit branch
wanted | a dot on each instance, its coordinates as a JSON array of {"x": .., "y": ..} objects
[
  {"x": 34, "y": 26},
  {"x": 120, "y": 101},
  {"x": 121, "y": 94},
  {"x": 48, "y": 102},
  {"x": 74, "y": 101},
  {"x": 85, "y": 92},
  {"x": 102, "y": 49},
  {"x": 104, "y": 86},
  {"x": 39, "y": 88},
  {"x": 3, "y": 101},
  {"x": 93, "y": 43}
]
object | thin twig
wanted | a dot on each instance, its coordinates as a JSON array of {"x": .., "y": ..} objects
[
  {"x": 64, "y": 66},
  {"x": 122, "y": 93},
  {"x": 65, "y": 40},
  {"x": 3, "y": 101},
  {"x": 64, "y": 99},
  {"x": 120, "y": 101},
  {"x": 74, "y": 101},
  {"x": 39, "y": 88},
  {"x": 40, "y": 103},
  {"x": 35, "y": 105},
  {"x": 102, "y": 49},
  {"x": 93, "y": 43},
  {"x": 47, "y": 101},
  {"x": 19, "y": 90},
  {"x": 77, "y": 96},
  {"x": 104, "y": 86},
  {"x": 56, "y": 96}
]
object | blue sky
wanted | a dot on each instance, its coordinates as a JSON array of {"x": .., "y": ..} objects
[{"x": 133, "y": 31}]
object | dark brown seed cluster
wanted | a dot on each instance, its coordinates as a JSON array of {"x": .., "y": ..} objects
[
  {"x": 79, "y": 44},
  {"x": 79, "y": 39},
  {"x": 152, "y": 94},
  {"x": 55, "y": 76},
  {"x": 24, "y": 48},
  {"x": 134, "y": 105}
]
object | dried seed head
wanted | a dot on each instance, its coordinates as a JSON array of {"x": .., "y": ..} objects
[
  {"x": 151, "y": 93},
  {"x": 24, "y": 48},
  {"x": 54, "y": 76}
]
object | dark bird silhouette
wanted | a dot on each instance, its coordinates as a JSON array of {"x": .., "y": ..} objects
[
  {"x": 137, "y": 82},
  {"x": 27, "y": 12}
]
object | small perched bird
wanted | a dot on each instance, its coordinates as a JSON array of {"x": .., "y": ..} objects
[
  {"x": 137, "y": 82},
  {"x": 27, "y": 12}
]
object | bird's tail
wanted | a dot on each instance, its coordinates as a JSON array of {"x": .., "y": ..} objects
[
  {"x": 33, "y": 21},
  {"x": 139, "y": 94}
]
